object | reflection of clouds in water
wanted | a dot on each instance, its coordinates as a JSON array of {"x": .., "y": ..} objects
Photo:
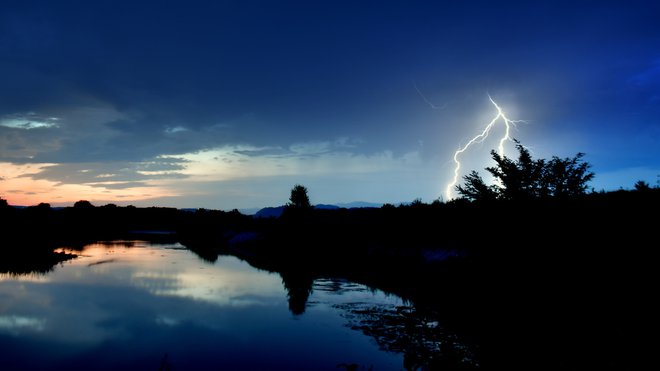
[
  {"x": 171, "y": 270},
  {"x": 28, "y": 277},
  {"x": 15, "y": 324},
  {"x": 102, "y": 262},
  {"x": 221, "y": 287},
  {"x": 156, "y": 282},
  {"x": 141, "y": 302},
  {"x": 338, "y": 286},
  {"x": 75, "y": 312},
  {"x": 85, "y": 298},
  {"x": 333, "y": 291}
]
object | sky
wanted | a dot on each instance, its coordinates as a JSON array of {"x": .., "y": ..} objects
[{"x": 229, "y": 104}]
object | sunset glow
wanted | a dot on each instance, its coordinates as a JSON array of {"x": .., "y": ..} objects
[{"x": 19, "y": 188}]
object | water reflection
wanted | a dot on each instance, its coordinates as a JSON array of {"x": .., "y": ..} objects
[
  {"x": 398, "y": 327},
  {"x": 170, "y": 270},
  {"x": 14, "y": 324},
  {"x": 298, "y": 286},
  {"x": 33, "y": 263},
  {"x": 132, "y": 305},
  {"x": 424, "y": 343}
]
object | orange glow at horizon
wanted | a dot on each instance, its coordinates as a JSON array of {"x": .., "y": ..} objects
[{"x": 18, "y": 188}]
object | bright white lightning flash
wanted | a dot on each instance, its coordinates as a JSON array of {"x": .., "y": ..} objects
[{"x": 508, "y": 123}]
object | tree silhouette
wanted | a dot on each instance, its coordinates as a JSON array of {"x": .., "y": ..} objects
[
  {"x": 83, "y": 204},
  {"x": 518, "y": 179},
  {"x": 476, "y": 189},
  {"x": 642, "y": 186},
  {"x": 567, "y": 177},
  {"x": 526, "y": 178},
  {"x": 299, "y": 199}
]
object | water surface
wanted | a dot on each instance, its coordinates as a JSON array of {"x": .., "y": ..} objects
[{"x": 137, "y": 305}]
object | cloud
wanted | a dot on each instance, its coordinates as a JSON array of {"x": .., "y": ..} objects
[
  {"x": 310, "y": 148},
  {"x": 100, "y": 132},
  {"x": 175, "y": 129},
  {"x": 118, "y": 185},
  {"x": 115, "y": 175},
  {"x": 240, "y": 161},
  {"x": 245, "y": 176},
  {"x": 30, "y": 184},
  {"x": 320, "y": 147},
  {"x": 28, "y": 121},
  {"x": 174, "y": 175}
]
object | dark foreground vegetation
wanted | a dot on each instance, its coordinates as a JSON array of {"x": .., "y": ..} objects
[
  {"x": 542, "y": 283},
  {"x": 531, "y": 279}
]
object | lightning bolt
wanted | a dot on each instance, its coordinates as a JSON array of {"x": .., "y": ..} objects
[
  {"x": 428, "y": 101},
  {"x": 508, "y": 123}
]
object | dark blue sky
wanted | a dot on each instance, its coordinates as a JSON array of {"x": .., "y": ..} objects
[{"x": 226, "y": 104}]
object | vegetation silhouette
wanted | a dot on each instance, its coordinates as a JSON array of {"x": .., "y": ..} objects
[
  {"x": 525, "y": 178},
  {"x": 642, "y": 186},
  {"x": 299, "y": 198},
  {"x": 37, "y": 261}
]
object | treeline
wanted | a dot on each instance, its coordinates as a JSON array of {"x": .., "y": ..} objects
[
  {"x": 455, "y": 224},
  {"x": 44, "y": 226}
]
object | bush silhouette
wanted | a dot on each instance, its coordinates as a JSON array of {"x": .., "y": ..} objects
[
  {"x": 642, "y": 186},
  {"x": 83, "y": 204},
  {"x": 526, "y": 178}
]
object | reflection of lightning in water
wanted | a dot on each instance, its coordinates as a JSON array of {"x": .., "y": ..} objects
[{"x": 480, "y": 138}]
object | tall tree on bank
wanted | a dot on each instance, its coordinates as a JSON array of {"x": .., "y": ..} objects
[
  {"x": 526, "y": 178},
  {"x": 299, "y": 200}
]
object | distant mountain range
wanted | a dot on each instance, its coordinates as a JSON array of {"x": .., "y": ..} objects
[
  {"x": 357, "y": 204},
  {"x": 275, "y": 212},
  {"x": 271, "y": 212}
]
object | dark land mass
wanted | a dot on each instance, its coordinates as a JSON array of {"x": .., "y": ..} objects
[{"x": 536, "y": 284}]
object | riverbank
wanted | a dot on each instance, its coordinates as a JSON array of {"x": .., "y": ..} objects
[{"x": 549, "y": 284}]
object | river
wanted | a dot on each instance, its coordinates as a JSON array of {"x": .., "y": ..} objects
[{"x": 127, "y": 305}]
